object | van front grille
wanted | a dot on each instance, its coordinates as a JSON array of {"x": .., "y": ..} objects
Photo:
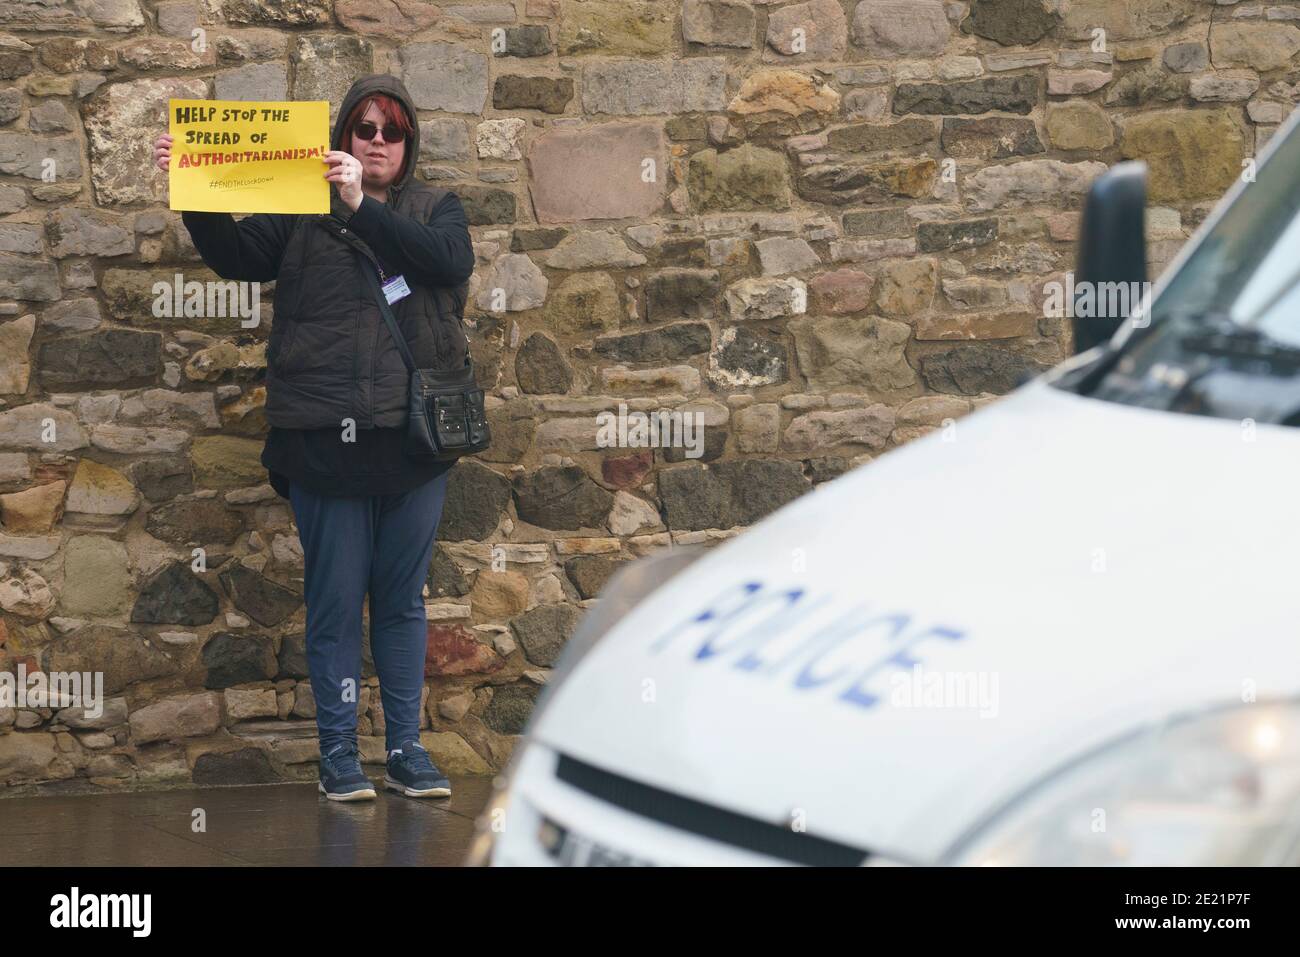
[{"x": 706, "y": 820}]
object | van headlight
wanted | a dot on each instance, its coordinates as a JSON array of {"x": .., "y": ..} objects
[
  {"x": 1215, "y": 788},
  {"x": 625, "y": 589}
]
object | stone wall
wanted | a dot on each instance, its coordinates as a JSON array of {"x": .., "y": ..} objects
[{"x": 822, "y": 227}]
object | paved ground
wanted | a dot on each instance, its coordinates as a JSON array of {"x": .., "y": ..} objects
[{"x": 270, "y": 824}]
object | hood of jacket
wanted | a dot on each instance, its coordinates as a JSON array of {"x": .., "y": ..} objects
[{"x": 381, "y": 83}]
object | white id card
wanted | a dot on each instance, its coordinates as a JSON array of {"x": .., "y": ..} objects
[{"x": 395, "y": 289}]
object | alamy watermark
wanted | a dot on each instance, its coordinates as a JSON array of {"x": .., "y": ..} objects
[
  {"x": 932, "y": 688},
  {"x": 651, "y": 430},
  {"x": 128, "y": 911},
  {"x": 1097, "y": 300},
  {"x": 208, "y": 300},
  {"x": 54, "y": 689}
]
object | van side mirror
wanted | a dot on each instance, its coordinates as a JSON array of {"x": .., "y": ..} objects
[{"x": 1112, "y": 251}]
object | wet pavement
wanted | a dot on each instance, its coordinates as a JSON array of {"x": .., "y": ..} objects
[{"x": 269, "y": 824}]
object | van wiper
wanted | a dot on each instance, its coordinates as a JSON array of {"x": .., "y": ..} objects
[{"x": 1220, "y": 336}]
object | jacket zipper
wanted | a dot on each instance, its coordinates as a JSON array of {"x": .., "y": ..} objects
[{"x": 374, "y": 345}]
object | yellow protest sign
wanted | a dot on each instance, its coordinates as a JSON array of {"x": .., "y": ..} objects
[{"x": 232, "y": 156}]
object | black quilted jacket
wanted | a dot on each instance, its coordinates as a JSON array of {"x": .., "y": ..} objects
[{"x": 330, "y": 355}]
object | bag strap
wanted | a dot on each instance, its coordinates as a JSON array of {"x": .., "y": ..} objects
[{"x": 389, "y": 318}]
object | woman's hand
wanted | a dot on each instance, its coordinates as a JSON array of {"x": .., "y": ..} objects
[
  {"x": 345, "y": 174},
  {"x": 162, "y": 151}
]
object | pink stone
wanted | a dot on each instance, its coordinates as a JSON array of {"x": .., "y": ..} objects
[
  {"x": 841, "y": 291},
  {"x": 1075, "y": 82},
  {"x": 385, "y": 18},
  {"x": 624, "y": 471},
  {"x": 1063, "y": 227},
  {"x": 597, "y": 173}
]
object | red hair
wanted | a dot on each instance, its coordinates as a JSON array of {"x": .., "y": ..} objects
[{"x": 393, "y": 112}]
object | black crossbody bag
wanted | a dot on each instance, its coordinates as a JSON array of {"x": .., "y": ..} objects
[{"x": 446, "y": 418}]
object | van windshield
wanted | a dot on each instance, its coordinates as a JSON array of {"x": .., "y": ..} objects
[
  {"x": 1248, "y": 268},
  {"x": 1224, "y": 335}
]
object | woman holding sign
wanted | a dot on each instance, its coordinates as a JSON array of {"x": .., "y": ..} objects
[{"x": 336, "y": 387}]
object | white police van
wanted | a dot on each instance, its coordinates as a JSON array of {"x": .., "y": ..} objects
[{"x": 1067, "y": 632}]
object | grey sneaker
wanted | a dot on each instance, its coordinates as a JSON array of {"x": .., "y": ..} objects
[{"x": 412, "y": 771}]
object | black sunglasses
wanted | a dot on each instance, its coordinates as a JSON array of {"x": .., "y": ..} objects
[{"x": 367, "y": 130}]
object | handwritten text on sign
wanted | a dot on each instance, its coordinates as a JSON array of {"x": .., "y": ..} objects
[{"x": 244, "y": 157}]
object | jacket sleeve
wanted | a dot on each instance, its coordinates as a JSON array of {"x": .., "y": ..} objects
[
  {"x": 437, "y": 253},
  {"x": 248, "y": 249}
]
